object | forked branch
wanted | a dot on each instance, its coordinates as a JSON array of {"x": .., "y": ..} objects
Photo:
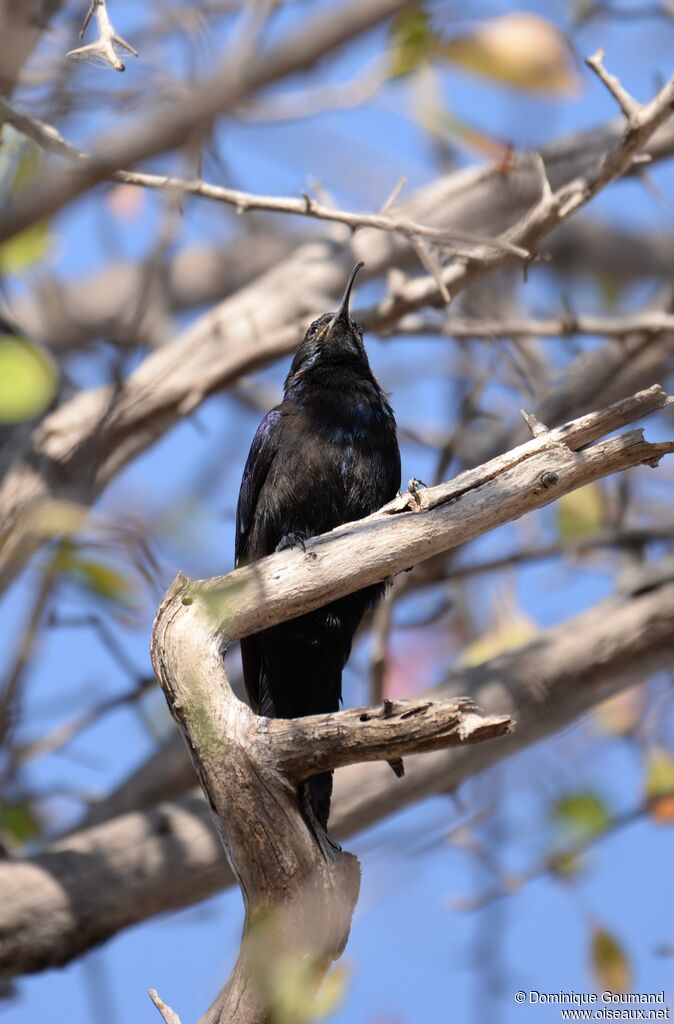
[{"x": 299, "y": 889}]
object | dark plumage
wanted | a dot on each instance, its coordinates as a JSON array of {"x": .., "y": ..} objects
[{"x": 328, "y": 454}]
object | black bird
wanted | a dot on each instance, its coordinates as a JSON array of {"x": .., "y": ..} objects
[{"x": 328, "y": 454}]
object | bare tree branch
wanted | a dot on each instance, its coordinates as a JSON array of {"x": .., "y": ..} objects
[
  {"x": 291, "y": 875},
  {"x": 50, "y": 139},
  {"x": 21, "y": 25},
  {"x": 65, "y": 313},
  {"x": 648, "y": 322},
  {"x": 551, "y": 210},
  {"x": 436, "y": 519},
  {"x": 83, "y": 889},
  {"x": 111, "y": 428},
  {"x": 171, "y": 124},
  {"x": 285, "y": 864}
]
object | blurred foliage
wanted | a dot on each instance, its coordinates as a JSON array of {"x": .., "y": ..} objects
[
  {"x": 25, "y": 249},
  {"x": 511, "y": 629},
  {"x": 620, "y": 715},
  {"x": 290, "y": 981},
  {"x": 659, "y": 784},
  {"x": 18, "y": 823},
  {"x": 94, "y": 576},
  {"x": 581, "y": 816},
  {"x": 580, "y": 513},
  {"x": 20, "y": 161},
  {"x": 413, "y": 41},
  {"x": 58, "y": 517},
  {"x": 28, "y": 379},
  {"x": 520, "y": 50},
  {"x": 610, "y": 963}
]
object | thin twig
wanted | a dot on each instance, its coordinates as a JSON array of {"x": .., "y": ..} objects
[
  {"x": 49, "y": 138},
  {"x": 648, "y": 322},
  {"x": 629, "y": 106}
]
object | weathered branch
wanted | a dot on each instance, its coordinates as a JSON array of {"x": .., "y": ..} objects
[
  {"x": 319, "y": 743},
  {"x": 299, "y": 889},
  {"x": 246, "y": 761},
  {"x": 57, "y": 904},
  {"x": 419, "y": 525}
]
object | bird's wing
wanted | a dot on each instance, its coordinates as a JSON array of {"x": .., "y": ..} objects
[
  {"x": 259, "y": 462},
  {"x": 249, "y": 543}
]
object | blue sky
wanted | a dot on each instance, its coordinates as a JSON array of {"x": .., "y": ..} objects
[{"x": 411, "y": 957}]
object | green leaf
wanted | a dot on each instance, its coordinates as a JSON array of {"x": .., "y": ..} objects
[
  {"x": 413, "y": 41},
  {"x": 610, "y": 963},
  {"x": 26, "y": 249},
  {"x": 28, "y": 379},
  {"x": 564, "y": 864},
  {"x": 95, "y": 577},
  {"x": 18, "y": 822},
  {"x": 580, "y": 512},
  {"x": 581, "y": 816}
]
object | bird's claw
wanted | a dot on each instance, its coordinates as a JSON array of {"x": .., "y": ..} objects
[{"x": 294, "y": 539}]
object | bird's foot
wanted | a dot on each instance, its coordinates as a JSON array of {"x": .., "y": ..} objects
[{"x": 295, "y": 539}]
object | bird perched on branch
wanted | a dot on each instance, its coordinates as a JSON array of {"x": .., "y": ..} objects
[{"x": 328, "y": 454}]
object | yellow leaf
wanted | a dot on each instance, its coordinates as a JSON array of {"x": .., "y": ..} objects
[
  {"x": 660, "y": 785},
  {"x": 25, "y": 249},
  {"x": 512, "y": 629},
  {"x": 56, "y": 518},
  {"x": 331, "y": 993},
  {"x": 610, "y": 963},
  {"x": 28, "y": 379},
  {"x": 517, "y": 49},
  {"x": 580, "y": 512},
  {"x": 95, "y": 577}
]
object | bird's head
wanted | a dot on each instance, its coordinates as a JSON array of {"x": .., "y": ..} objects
[{"x": 333, "y": 337}]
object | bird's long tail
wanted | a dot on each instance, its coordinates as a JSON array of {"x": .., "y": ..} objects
[{"x": 319, "y": 791}]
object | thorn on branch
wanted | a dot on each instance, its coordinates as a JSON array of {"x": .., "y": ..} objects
[
  {"x": 394, "y": 196},
  {"x": 629, "y": 106},
  {"x": 534, "y": 424},
  {"x": 104, "y": 47},
  {"x": 546, "y": 188}
]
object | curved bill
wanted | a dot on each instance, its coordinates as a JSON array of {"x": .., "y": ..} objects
[{"x": 343, "y": 311}]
